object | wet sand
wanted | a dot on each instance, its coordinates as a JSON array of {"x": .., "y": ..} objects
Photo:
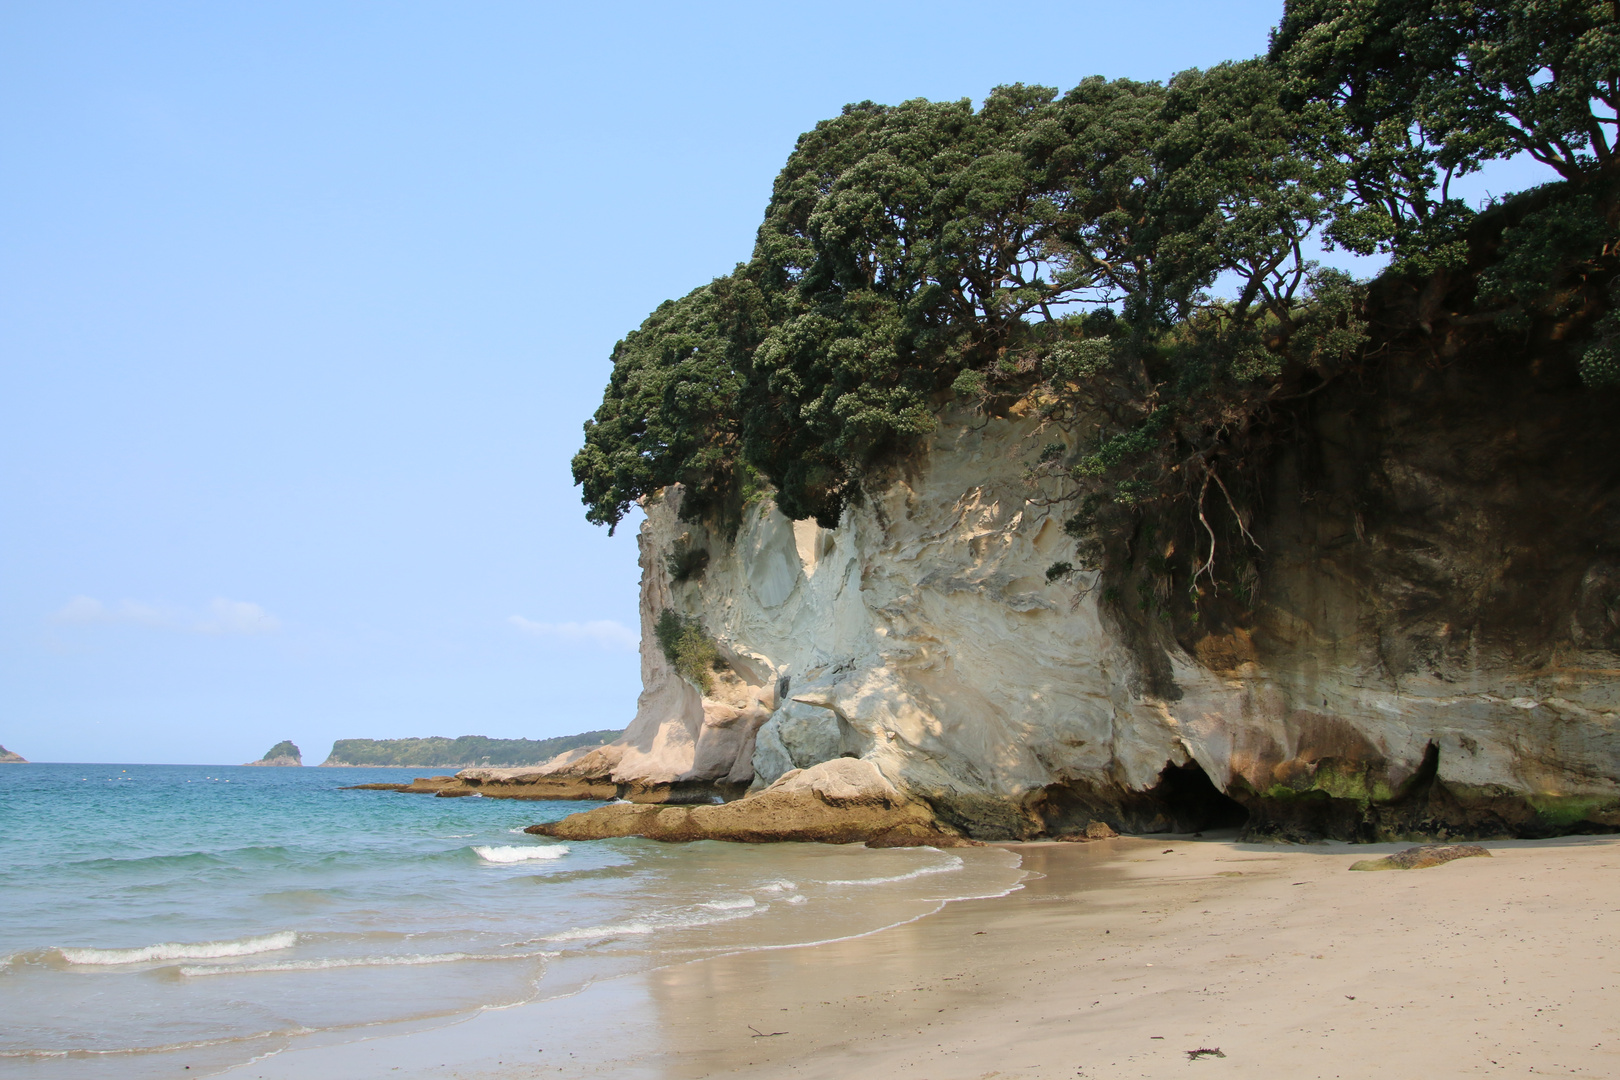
[{"x": 1115, "y": 959}]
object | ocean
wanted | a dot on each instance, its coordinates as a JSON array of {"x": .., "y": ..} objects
[{"x": 160, "y": 916}]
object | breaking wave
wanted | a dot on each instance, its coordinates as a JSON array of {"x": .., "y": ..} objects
[
  {"x": 354, "y": 962},
  {"x": 725, "y": 911},
  {"x": 730, "y": 905},
  {"x": 521, "y": 854},
  {"x": 954, "y": 863},
  {"x": 177, "y": 950},
  {"x": 610, "y": 930}
]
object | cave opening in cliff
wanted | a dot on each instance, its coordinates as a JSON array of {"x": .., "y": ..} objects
[
  {"x": 1182, "y": 800},
  {"x": 1190, "y": 802}
]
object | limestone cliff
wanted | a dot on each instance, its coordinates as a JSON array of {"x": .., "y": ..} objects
[
  {"x": 1428, "y": 650},
  {"x": 921, "y": 636},
  {"x": 1425, "y": 646}
]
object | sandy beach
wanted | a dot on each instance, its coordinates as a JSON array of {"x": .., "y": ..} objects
[{"x": 1115, "y": 959}]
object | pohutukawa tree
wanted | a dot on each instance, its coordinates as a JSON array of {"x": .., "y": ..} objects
[{"x": 1130, "y": 251}]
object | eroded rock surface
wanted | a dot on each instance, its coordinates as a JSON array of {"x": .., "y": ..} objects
[{"x": 835, "y": 802}]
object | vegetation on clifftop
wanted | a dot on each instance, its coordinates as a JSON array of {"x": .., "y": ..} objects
[
  {"x": 1137, "y": 252},
  {"x": 284, "y": 748},
  {"x": 468, "y": 751}
]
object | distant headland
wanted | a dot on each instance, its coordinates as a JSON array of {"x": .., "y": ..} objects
[
  {"x": 468, "y": 751},
  {"x": 8, "y": 758},
  {"x": 284, "y": 752}
]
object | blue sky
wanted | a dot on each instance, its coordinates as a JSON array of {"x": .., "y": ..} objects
[{"x": 302, "y": 306}]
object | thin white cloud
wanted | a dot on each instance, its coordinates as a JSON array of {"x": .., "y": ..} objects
[
  {"x": 87, "y": 610},
  {"x": 223, "y": 616},
  {"x": 237, "y": 617},
  {"x": 604, "y": 633},
  {"x": 82, "y": 609}
]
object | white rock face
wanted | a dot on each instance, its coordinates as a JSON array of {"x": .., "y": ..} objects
[
  {"x": 840, "y": 782},
  {"x": 922, "y": 637}
]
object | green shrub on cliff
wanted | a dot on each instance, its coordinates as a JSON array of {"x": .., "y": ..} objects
[
  {"x": 692, "y": 653},
  {"x": 686, "y": 563}
]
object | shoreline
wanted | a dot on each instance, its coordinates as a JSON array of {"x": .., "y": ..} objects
[{"x": 1113, "y": 959}]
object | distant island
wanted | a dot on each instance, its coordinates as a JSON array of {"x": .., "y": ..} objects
[
  {"x": 469, "y": 751},
  {"x": 8, "y": 758},
  {"x": 284, "y": 752}
]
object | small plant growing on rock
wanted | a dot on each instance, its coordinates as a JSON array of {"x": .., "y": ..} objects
[
  {"x": 692, "y": 653},
  {"x": 686, "y": 563}
]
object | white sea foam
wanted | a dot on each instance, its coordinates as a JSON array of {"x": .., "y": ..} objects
[
  {"x": 177, "y": 950},
  {"x": 333, "y": 963},
  {"x": 735, "y": 904},
  {"x": 521, "y": 854},
  {"x": 191, "y": 1044},
  {"x": 795, "y": 899},
  {"x": 781, "y": 885},
  {"x": 954, "y": 863},
  {"x": 610, "y": 930},
  {"x": 726, "y": 910}
]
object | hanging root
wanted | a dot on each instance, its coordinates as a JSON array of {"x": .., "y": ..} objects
[
  {"x": 1235, "y": 515},
  {"x": 1209, "y": 564}
]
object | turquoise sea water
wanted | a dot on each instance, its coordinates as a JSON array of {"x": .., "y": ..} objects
[{"x": 150, "y": 913}]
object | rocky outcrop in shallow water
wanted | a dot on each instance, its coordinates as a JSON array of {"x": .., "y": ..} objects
[
  {"x": 532, "y": 783},
  {"x": 835, "y": 802}
]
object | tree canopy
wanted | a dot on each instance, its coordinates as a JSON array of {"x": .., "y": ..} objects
[
  {"x": 670, "y": 413},
  {"x": 1417, "y": 91},
  {"x": 918, "y": 252}
]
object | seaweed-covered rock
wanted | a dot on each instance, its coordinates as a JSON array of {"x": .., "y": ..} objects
[{"x": 1422, "y": 857}]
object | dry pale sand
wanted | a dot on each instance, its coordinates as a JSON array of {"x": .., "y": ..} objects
[{"x": 1115, "y": 960}]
